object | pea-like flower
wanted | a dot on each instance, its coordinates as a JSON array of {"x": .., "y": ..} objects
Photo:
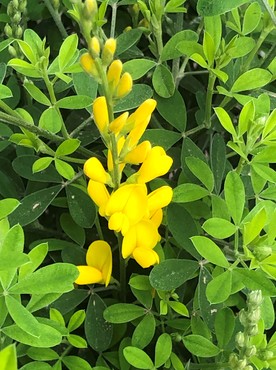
[
  {"x": 99, "y": 194},
  {"x": 99, "y": 265},
  {"x": 95, "y": 171}
]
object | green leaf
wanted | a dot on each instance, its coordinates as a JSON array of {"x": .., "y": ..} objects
[
  {"x": 50, "y": 120},
  {"x": 200, "y": 346},
  {"x": 264, "y": 171},
  {"x": 250, "y": 80},
  {"x": 55, "y": 278},
  {"x": 33, "y": 205},
  {"x": 199, "y": 60},
  {"x": 190, "y": 48},
  {"x": 163, "y": 82},
  {"x": 225, "y": 120},
  {"x": 22, "y": 317},
  {"x": 188, "y": 193},
  {"x": 42, "y": 354},
  {"x": 75, "y": 362},
  {"x": 224, "y": 326},
  {"x": 74, "y": 102},
  {"x": 123, "y": 312},
  {"x": 219, "y": 228},
  {"x": 76, "y": 320},
  {"x": 98, "y": 332},
  {"x": 85, "y": 85},
  {"x": 209, "y": 48},
  {"x": 270, "y": 124},
  {"x": 161, "y": 137},
  {"x": 137, "y": 358},
  {"x": 28, "y": 51},
  {"x": 241, "y": 47},
  {"x": 256, "y": 279},
  {"x": 37, "y": 365},
  {"x": 219, "y": 289},
  {"x": 268, "y": 312},
  {"x": 202, "y": 171},
  {"x": 136, "y": 97},
  {"x": 127, "y": 39},
  {"x": 7, "y": 206},
  {"x": 42, "y": 163},
  {"x": 67, "y": 51},
  {"x": 5, "y": 92},
  {"x": 138, "y": 67},
  {"x": 67, "y": 147},
  {"x": 163, "y": 349},
  {"x": 252, "y": 17},
  {"x": 77, "y": 341},
  {"x": 49, "y": 337},
  {"x": 218, "y": 160},
  {"x": 246, "y": 117},
  {"x": 144, "y": 332},
  {"x": 172, "y": 273},
  {"x": 64, "y": 169},
  {"x": 253, "y": 228},
  {"x": 214, "y": 28},
  {"x": 210, "y": 251},
  {"x": 36, "y": 257},
  {"x": 166, "y": 107},
  {"x": 171, "y": 50},
  {"x": 36, "y": 93},
  {"x": 25, "y": 68},
  {"x": 179, "y": 307},
  {"x": 234, "y": 196},
  {"x": 176, "y": 362},
  {"x": 81, "y": 207},
  {"x": 8, "y": 358},
  {"x": 216, "y": 7}
]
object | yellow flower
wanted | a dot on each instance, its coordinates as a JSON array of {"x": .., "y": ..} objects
[
  {"x": 99, "y": 265},
  {"x": 126, "y": 206},
  {"x": 159, "y": 198},
  {"x": 138, "y": 154},
  {"x": 100, "y": 113},
  {"x": 118, "y": 123},
  {"x": 124, "y": 86},
  {"x": 95, "y": 46},
  {"x": 139, "y": 241},
  {"x": 156, "y": 164},
  {"x": 99, "y": 194},
  {"x": 108, "y": 51},
  {"x": 120, "y": 144},
  {"x": 88, "y": 64},
  {"x": 114, "y": 74},
  {"x": 95, "y": 171}
]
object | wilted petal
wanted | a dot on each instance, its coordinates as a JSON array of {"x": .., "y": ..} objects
[
  {"x": 145, "y": 257},
  {"x": 88, "y": 275}
]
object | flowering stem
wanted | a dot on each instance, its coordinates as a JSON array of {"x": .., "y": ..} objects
[
  {"x": 56, "y": 17},
  {"x": 113, "y": 19},
  {"x": 122, "y": 270},
  {"x": 98, "y": 227},
  {"x": 209, "y": 96}
]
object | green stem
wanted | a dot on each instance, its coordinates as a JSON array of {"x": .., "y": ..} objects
[
  {"x": 122, "y": 269},
  {"x": 193, "y": 130},
  {"x": 98, "y": 227},
  {"x": 270, "y": 11},
  {"x": 209, "y": 97},
  {"x": 265, "y": 32},
  {"x": 236, "y": 243},
  {"x": 176, "y": 61},
  {"x": 72, "y": 160},
  {"x": 56, "y": 17},
  {"x": 113, "y": 20},
  {"x": 159, "y": 40},
  {"x": 78, "y": 129}
]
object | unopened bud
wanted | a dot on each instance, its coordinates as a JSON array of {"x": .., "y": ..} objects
[
  {"x": 56, "y": 4},
  {"x": 248, "y": 367},
  {"x": 114, "y": 74},
  {"x": 88, "y": 64},
  {"x": 16, "y": 17},
  {"x": 12, "y": 51},
  {"x": 22, "y": 6},
  {"x": 95, "y": 46},
  {"x": 255, "y": 316},
  {"x": 8, "y": 30},
  {"x": 90, "y": 8},
  {"x": 118, "y": 123},
  {"x": 124, "y": 86},
  {"x": 10, "y": 9},
  {"x": 128, "y": 28},
  {"x": 233, "y": 360},
  {"x": 250, "y": 351},
  {"x": 15, "y": 3},
  {"x": 240, "y": 340},
  {"x": 241, "y": 364},
  {"x": 108, "y": 51},
  {"x": 243, "y": 317},
  {"x": 253, "y": 330},
  {"x": 19, "y": 32}
]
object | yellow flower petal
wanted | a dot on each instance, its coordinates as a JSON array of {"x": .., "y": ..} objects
[
  {"x": 100, "y": 113},
  {"x": 95, "y": 46},
  {"x": 156, "y": 217},
  {"x": 118, "y": 123},
  {"x": 95, "y": 171},
  {"x": 99, "y": 194},
  {"x": 108, "y": 51},
  {"x": 88, "y": 275},
  {"x": 160, "y": 198},
  {"x": 119, "y": 222},
  {"x": 114, "y": 74},
  {"x": 88, "y": 64},
  {"x": 120, "y": 144},
  {"x": 156, "y": 164},
  {"x": 99, "y": 255},
  {"x": 145, "y": 257},
  {"x": 138, "y": 154},
  {"x": 124, "y": 86}
]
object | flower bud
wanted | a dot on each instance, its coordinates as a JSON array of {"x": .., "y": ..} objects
[
  {"x": 88, "y": 64},
  {"x": 108, "y": 51},
  {"x": 95, "y": 171},
  {"x": 100, "y": 113},
  {"x": 90, "y": 8},
  {"x": 241, "y": 364},
  {"x": 124, "y": 86},
  {"x": 248, "y": 367},
  {"x": 233, "y": 360},
  {"x": 114, "y": 74},
  {"x": 250, "y": 351},
  {"x": 255, "y": 297},
  {"x": 95, "y": 46},
  {"x": 240, "y": 340},
  {"x": 8, "y": 30},
  {"x": 255, "y": 316},
  {"x": 12, "y": 51},
  {"x": 253, "y": 330},
  {"x": 243, "y": 317},
  {"x": 18, "y": 32},
  {"x": 16, "y": 17},
  {"x": 118, "y": 123}
]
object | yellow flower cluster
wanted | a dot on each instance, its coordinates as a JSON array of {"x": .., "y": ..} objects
[{"x": 129, "y": 208}]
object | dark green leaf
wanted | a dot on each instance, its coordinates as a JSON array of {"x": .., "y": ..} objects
[
  {"x": 172, "y": 273},
  {"x": 163, "y": 82},
  {"x": 144, "y": 332},
  {"x": 161, "y": 137},
  {"x": 137, "y": 358},
  {"x": 163, "y": 349},
  {"x": 219, "y": 289},
  {"x": 136, "y": 97},
  {"x": 170, "y": 51},
  {"x": 74, "y": 102},
  {"x": 138, "y": 67},
  {"x": 216, "y": 7},
  {"x": 210, "y": 251},
  {"x": 234, "y": 196},
  {"x": 200, "y": 346},
  {"x": 126, "y": 39},
  {"x": 224, "y": 326},
  {"x": 123, "y": 312}
]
